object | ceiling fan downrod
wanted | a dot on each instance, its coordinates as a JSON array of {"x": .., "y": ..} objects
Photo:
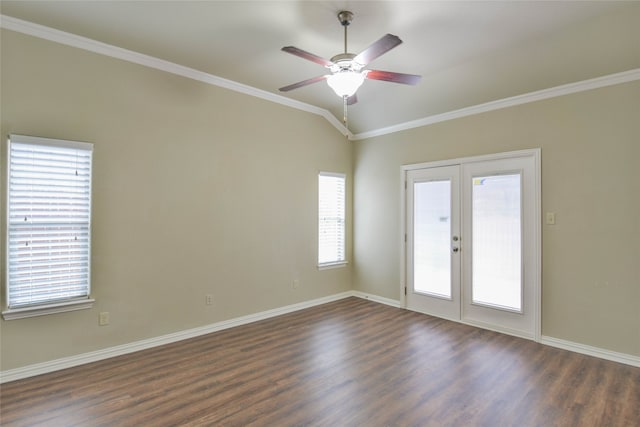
[
  {"x": 345, "y": 17},
  {"x": 348, "y": 70}
]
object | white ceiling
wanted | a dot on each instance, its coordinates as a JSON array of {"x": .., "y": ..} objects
[{"x": 468, "y": 52}]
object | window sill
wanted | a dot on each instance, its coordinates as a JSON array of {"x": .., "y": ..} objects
[
  {"x": 41, "y": 310},
  {"x": 330, "y": 265}
]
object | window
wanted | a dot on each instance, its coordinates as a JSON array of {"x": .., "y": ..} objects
[
  {"x": 331, "y": 219},
  {"x": 48, "y": 226}
]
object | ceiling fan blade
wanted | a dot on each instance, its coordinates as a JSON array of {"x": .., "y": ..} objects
[
  {"x": 352, "y": 99},
  {"x": 390, "y": 76},
  {"x": 385, "y": 44},
  {"x": 308, "y": 56},
  {"x": 303, "y": 83}
]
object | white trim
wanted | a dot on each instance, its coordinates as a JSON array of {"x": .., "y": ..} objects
[
  {"x": 537, "y": 155},
  {"x": 538, "y": 242},
  {"x": 601, "y": 353},
  {"x": 94, "y": 356},
  {"x": 403, "y": 237},
  {"x": 90, "y": 45},
  {"x": 480, "y": 325},
  {"x": 581, "y": 86},
  {"x": 331, "y": 265},
  {"x": 472, "y": 159},
  {"x": 64, "y": 143},
  {"x": 51, "y": 34},
  {"x": 333, "y": 174},
  {"x": 336, "y": 263},
  {"x": 627, "y": 359},
  {"x": 496, "y": 328},
  {"x": 375, "y": 298},
  {"x": 53, "y": 308}
]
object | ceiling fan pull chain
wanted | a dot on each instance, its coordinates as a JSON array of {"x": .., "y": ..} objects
[
  {"x": 347, "y": 70},
  {"x": 344, "y": 117}
]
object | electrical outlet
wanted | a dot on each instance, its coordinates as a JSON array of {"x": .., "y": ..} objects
[
  {"x": 295, "y": 284},
  {"x": 209, "y": 299},
  {"x": 103, "y": 318}
]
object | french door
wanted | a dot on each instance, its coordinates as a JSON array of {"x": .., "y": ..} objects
[{"x": 472, "y": 241}]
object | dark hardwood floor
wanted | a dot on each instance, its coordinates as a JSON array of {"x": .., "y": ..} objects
[{"x": 347, "y": 363}]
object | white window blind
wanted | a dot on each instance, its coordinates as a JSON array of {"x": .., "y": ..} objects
[
  {"x": 331, "y": 218},
  {"x": 48, "y": 221}
]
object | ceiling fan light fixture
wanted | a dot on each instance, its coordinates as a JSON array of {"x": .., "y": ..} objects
[{"x": 345, "y": 83}]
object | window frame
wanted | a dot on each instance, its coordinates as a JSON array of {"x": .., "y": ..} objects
[
  {"x": 56, "y": 305},
  {"x": 337, "y": 263}
]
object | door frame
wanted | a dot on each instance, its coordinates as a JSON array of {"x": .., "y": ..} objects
[{"x": 535, "y": 153}]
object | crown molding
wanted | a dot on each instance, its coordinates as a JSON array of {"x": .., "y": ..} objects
[
  {"x": 47, "y": 33},
  {"x": 595, "y": 83},
  {"x": 51, "y": 34}
]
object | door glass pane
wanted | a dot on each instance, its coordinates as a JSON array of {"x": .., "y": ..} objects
[
  {"x": 496, "y": 244},
  {"x": 432, "y": 235}
]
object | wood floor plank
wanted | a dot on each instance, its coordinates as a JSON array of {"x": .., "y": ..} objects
[{"x": 347, "y": 363}]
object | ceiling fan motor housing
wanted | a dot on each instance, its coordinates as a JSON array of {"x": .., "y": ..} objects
[
  {"x": 347, "y": 69},
  {"x": 344, "y": 62}
]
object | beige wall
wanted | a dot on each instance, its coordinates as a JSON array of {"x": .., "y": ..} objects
[
  {"x": 196, "y": 190},
  {"x": 199, "y": 190},
  {"x": 590, "y": 178}
]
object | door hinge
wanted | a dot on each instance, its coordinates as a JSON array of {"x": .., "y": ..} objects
[
  {"x": 405, "y": 185},
  {"x": 405, "y": 237},
  {"x": 405, "y": 290}
]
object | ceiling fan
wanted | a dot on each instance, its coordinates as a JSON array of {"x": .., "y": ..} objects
[{"x": 347, "y": 69}]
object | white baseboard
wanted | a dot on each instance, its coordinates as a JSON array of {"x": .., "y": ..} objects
[
  {"x": 94, "y": 356},
  {"x": 376, "y": 298},
  {"x": 627, "y": 359}
]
